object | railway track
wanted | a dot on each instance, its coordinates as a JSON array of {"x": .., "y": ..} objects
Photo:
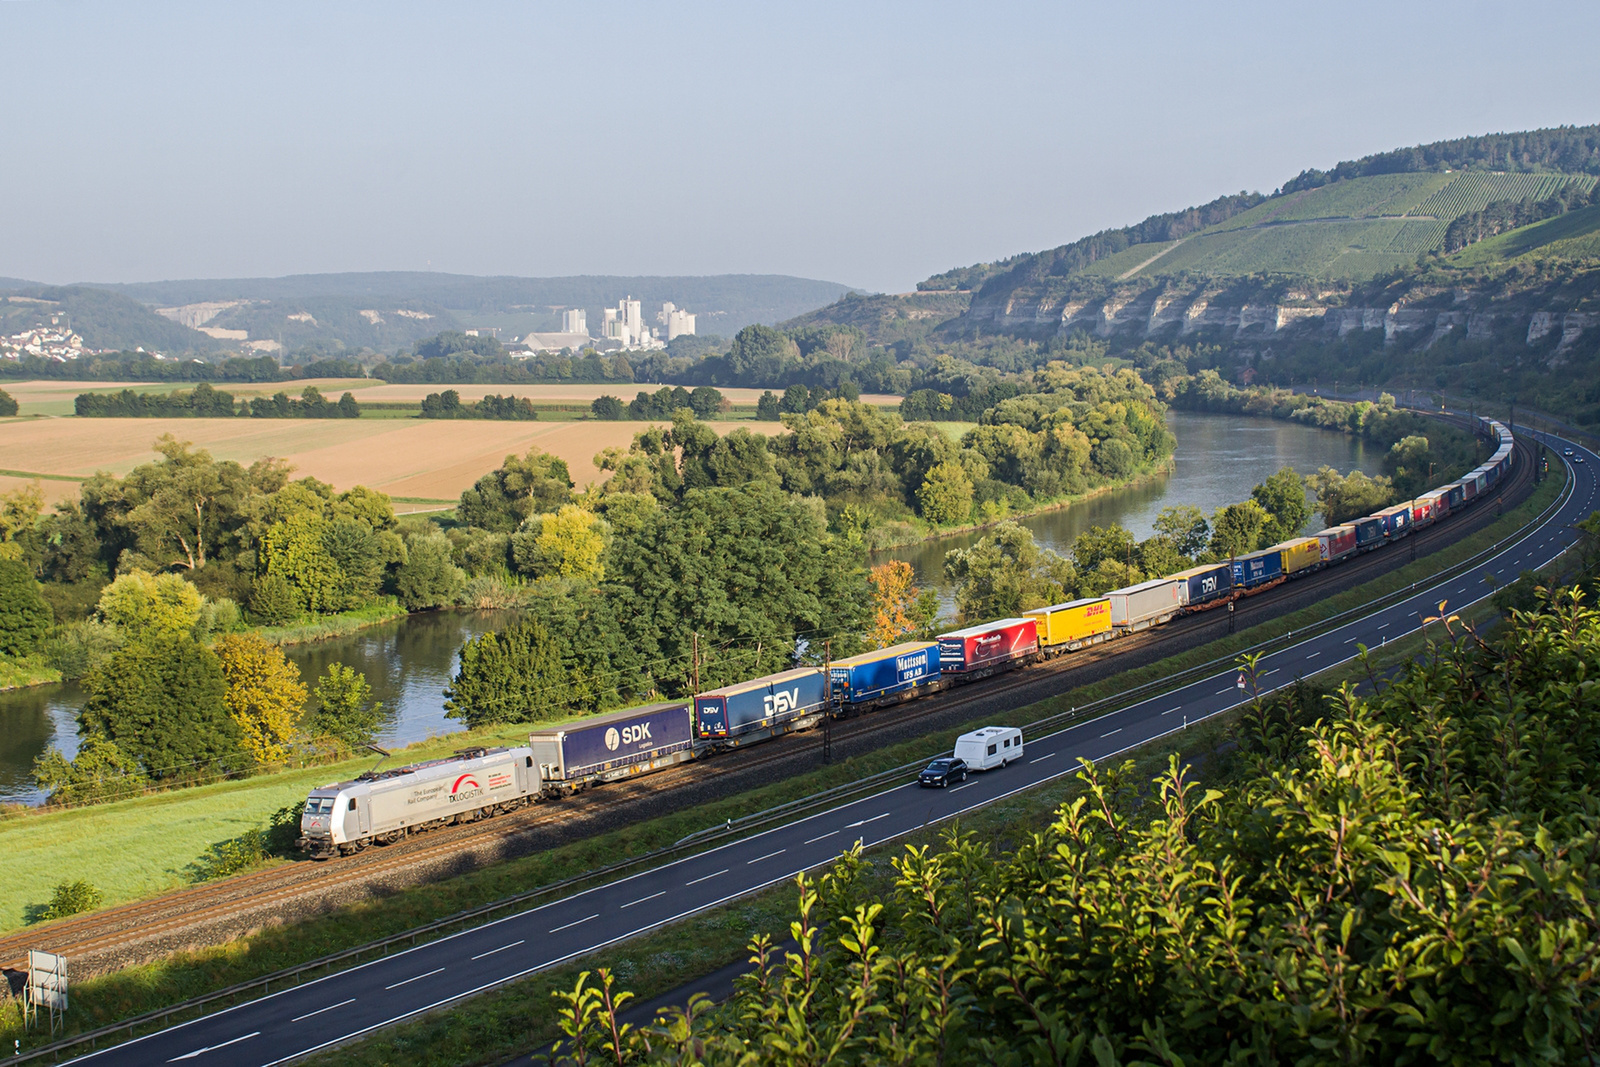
[{"x": 165, "y": 918}]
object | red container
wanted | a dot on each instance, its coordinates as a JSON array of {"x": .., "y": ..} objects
[
  {"x": 993, "y": 644},
  {"x": 1336, "y": 542}
]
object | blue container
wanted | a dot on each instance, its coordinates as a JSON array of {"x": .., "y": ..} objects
[
  {"x": 1369, "y": 531},
  {"x": 608, "y": 742},
  {"x": 1458, "y": 495},
  {"x": 887, "y": 671},
  {"x": 761, "y": 703},
  {"x": 1205, "y": 584},
  {"x": 1396, "y": 520},
  {"x": 1257, "y": 567}
]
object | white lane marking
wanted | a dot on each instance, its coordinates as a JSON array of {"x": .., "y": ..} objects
[
  {"x": 514, "y": 944},
  {"x": 1220, "y": 692},
  {"x": 1273, "y": 671},
  {"x": 319, "y": 1011},
  {"x": 1041, "y": 759},
  {"x": 768, "y": 856},
  {"x": 570, "y": 925},
  {"x": 1169, "y": 711},
  {"x": 863, "y": 822},
  {"x": 1347, "y": 640},
  {"x": 1385, "y": 626},
  {"x": 814, "y": 840},
  {"x": 959, "y": 788},
  {"x": 1313, "y": 655},
  {"x": 641, "y": 900},
  {"x": 417, "y": 978},
  {"x": 707, "y": 878},
  {"x": 1108, "y": 733},
  {"x": 213, "y": 1048}
]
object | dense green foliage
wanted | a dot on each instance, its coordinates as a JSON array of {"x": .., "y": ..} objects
[
  {"x": 448, "y": 405},
  {"x": 204, "y": 402},
  {"x": 455, "y": 357},
  {"x": 8, "y": 404},
  {"x": 1571, "y": 149},
  {"x": 24, "y": 616},
  {"x": 344, "y": 707},
  {"x": 1410, "y": 877}
]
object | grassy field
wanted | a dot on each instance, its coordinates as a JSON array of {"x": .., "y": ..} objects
[
  {"x": 1573, "y": 234},
  {"x": 431, "y": 460}
]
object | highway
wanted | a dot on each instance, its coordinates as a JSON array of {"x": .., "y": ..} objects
[{"x": 303, "y": 1019}]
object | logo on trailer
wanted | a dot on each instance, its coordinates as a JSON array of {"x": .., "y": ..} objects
[
  {"x": 781, "y": 701},
  {"x": 613, "y": 739},
  {"x": 629, "y": 735},
  {"x": 466, "y": 786}
]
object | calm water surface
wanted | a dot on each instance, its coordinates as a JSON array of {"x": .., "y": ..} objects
[
  {"x": 1219, "y": 459},
  {"x": 409, "y": 662}
]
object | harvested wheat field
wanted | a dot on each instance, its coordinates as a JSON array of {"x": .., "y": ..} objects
[
  {"x": 423, "y": 460},
  {"x": 40, "y": 397}
]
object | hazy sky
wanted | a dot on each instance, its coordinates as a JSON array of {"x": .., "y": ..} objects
[{"x": 867, "y": 143}]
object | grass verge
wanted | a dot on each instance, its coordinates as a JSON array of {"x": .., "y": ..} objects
[
  {"x": 349, "y": 622},
  {"x": 26, "y": 671}
]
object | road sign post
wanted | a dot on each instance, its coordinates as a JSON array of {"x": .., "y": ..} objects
[{"x": 47, "y": 989}]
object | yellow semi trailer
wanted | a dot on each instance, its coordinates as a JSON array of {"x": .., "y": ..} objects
[{"x": 1072, "y": 625}]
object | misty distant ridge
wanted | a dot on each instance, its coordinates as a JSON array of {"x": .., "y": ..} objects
[{"x": 385, "y": 310}]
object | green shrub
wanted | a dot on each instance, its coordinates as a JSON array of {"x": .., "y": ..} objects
[{"x": 69, "y": 898}]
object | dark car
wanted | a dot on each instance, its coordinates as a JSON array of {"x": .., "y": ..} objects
[{"x": 943, "y": 771}]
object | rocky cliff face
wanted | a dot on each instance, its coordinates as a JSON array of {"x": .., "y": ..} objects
[{"x": 1173, "y": 312}]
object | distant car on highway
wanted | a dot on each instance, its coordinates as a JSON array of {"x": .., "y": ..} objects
[
  {"x": 942, "y": 770},
  {"x": 1566, "y": 452}
]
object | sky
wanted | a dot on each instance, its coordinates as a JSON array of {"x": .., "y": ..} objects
[{"x": 872, "y": 144}]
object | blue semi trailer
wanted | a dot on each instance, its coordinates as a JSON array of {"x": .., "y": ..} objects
[
  {"x": 761, "y": 707},
  {"x": 616, "y": 745},
  {"x": 1369, "y": 532},
  {"x": 893, "y": 671},
  {"x": 1257, "y": 568}
]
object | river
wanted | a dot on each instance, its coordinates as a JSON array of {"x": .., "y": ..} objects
[{"x": 408, "y": 662}]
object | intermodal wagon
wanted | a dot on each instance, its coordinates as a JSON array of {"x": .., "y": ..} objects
[
  {"x": 1369, "y": 533},
  {"x": 1396, "y": 520},
  {"x": 1072, "y": 625},
  {"x": 1336, "y": 542},
  {"x": 1199, "y": 586},
  {"x": 1301, "y": 555},
  {"x": 1258, "y": 568},
  {"x": 1146, "y": 604},
  {"x": 893, "y": 671},
  {"x": 982, "y": 650},
  {"x": 761, "y": 706},
  {"x": 616, "y": 745}
]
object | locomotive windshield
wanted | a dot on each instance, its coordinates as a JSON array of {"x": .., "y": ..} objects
[{"x": 319, "y": 805}]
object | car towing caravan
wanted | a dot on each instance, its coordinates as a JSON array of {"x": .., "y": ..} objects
[{"x": 990, "y": 747}]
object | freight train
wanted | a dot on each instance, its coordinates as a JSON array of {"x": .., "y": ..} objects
[{"x": 384, "y": 806}]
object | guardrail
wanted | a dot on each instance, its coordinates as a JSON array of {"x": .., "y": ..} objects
[{"x": 833, "y": 796}]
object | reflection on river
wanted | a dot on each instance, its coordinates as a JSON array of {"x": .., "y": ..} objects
[
  {"x": 410, "y": 661},
  {"x": 1219, "y": 459}
]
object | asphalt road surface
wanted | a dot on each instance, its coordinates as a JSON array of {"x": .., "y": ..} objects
[{"x": 318, "y": 1014}]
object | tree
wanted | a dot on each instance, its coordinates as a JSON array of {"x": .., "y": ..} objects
[
  {"x": 1341, "y": 498},
  {"x": 522, "y": 486},
  {"x": 796, "y": 400},
  {"x": 509, "y": 675},
  {"x": 100, "y": 771},
  {"x": 25, "y": 617},
  {"x": 161, "y": 699},
  {"x": 348, "y": 408},
  {"x": 8, "y": 404},
  {"x": 1283, "y": 497},
  {"x": 706, "y": 402},
  {"x": 1115, "y": 459},
  {"x": 20, "y": 513},
  {"x": 894, "y": 600},
  {"x": 429, "y": 577},
  {"x": 185, "y": 508},
  {"x": 1410, "y": 463},
  {"x": 1004, "y": 573},
  {"x": 1185, "y": 525},
  {"x": 445, "y": 405},
  {"x": 768, "y": 408},
  {"x": 344, "y": 707},
  {"x": 1236, "y": 529},
  {"x": 609, "y": 408},
  {"x": 140, "y": 604},
  {"x": 945, "y": 496},
  {"x": 569, "y": 544},
  {"x": 265, "y": 696},
  {"x": 273, "y": 601}
]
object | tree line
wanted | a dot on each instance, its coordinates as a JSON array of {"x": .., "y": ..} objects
[
  {"x": 1401, "y": 876},
  {"x": 1498, "y": 216},
  {"x": 448, "y": 405},
  {"x": 206, "y": 402}
]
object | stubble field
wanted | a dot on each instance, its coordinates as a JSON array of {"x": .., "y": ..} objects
[{"x": 419, "y": 460}]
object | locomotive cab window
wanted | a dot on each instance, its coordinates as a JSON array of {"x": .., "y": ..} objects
[
  {"x": 529, "y": 760},
  {"x": 352, "y": 803}
]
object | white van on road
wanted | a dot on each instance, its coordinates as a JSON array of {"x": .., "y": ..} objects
[{"x": 992, "y": 746}]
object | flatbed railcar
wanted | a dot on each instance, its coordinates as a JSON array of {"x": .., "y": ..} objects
[{"x": 383, "y": 806}]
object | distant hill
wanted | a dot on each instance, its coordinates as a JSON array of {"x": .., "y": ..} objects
[
  {"x": 104, "y": 319},
  {"x": 382, "y": 311}
]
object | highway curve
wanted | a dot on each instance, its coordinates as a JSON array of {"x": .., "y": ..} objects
[{"x": 305, "y": 1018}]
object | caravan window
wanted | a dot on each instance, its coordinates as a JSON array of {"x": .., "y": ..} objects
[
  {"x": 1008, "y": 742},
  {"x": 991, "y": 750}
]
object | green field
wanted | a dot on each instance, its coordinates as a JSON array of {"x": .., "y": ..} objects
[{"x": 1572, "y": 235}]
